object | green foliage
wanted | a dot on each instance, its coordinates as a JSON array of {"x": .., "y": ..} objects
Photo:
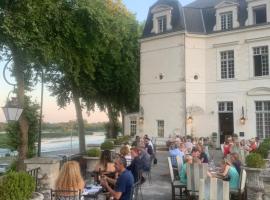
[
  {"x": 107, "y": 145},
  {"x": 121, "y": 140},
  {"x": 16, "y": 186},
  {"x": 264, "y": 148},
  {"x": 255, "y": 160},
  {"x": 32, "y": 115},
  {"x": 93, "y": 152},
  {"x": 112, "y": 129}
]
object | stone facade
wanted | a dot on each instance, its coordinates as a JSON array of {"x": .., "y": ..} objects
[{"x": 181, "y": 76}]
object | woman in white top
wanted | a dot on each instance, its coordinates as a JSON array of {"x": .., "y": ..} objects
[{"x": 125, "y": 152}]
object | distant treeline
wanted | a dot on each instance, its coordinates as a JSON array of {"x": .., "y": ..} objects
[{"x": 65, "y": 127}]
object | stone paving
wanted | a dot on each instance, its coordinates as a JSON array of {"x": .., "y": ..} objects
[{"x": 160, "y": 188}]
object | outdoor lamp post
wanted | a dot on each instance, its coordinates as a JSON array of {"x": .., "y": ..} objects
[{"x": 12, "y": 109}]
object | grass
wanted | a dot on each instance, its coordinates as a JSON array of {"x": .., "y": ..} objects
[{"x": 3, "y": 141}]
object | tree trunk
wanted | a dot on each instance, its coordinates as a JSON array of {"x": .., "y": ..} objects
[
  {"x": 78, "y": 108},
  {"x": 23, "y": 122},
  {"x": 123, "y": 121},
  {"x": 112, "y": 115}
]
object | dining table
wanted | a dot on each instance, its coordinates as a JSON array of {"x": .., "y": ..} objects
[{"x": 92, "y": 191}]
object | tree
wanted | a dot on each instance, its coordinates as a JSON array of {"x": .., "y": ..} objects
[
  {"x": 20, "y": 39},
  {"x": 117, "y": 76},
  {"x": 77, "y": 54}
]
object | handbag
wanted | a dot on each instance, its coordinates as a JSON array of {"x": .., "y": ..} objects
[{"x": 155, "y": 161}]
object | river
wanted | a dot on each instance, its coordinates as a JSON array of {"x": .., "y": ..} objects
[{"x": 64, "y": 145}]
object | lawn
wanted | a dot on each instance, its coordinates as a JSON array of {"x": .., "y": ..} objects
[{"x": 3, "y": 141}]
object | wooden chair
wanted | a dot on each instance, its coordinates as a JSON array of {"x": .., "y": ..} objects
[
  {"x": 176, "y": 165},
  {"x": 65, "y": 194},
  {"x": 222, "y": 148},
  {"x": 179, "y": 163},
  {"x": 214, "y": 189},
  {"x": 195, "y": 172},
  {"x": 175, "y": 183},
  {"x": 241, "y": 191}
]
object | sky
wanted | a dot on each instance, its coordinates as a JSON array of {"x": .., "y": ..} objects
[{"x": 51, "y": 111}]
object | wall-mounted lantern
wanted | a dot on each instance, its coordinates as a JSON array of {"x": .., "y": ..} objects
[
  {"x": 189, "y": 120},
  {"x": 141, "y": 120},
  {"x": 243, "y": 118}
]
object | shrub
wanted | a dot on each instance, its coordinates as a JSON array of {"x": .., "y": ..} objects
[
  {"x": 17, "y": 185},
  {"x": 107, "y": 145},
  {"x": 121, "y": 140},
  {"x": 264, "y": 148},
  {"x": 94, "y": 152},
  {"x": 255, "y": 160}
]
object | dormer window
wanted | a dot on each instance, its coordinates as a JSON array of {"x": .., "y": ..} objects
[
  {"x": 226, "y": 15},
  {"x": 162, "y": 16},
  {"x": 226, "y": 20},
  {"x": 259, "y": 14},
  {"x": 162, "y": 24}
]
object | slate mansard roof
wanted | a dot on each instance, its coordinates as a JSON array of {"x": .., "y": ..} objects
[{"x": 196, "y": 17}]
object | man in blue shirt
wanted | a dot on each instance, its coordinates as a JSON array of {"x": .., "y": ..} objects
[
  {"x": 175, "y": 151},
  {"x": 124, "y": 183}
]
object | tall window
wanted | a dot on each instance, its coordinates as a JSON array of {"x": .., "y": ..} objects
[
  {"x": 226, "y": 106},
  {"x": 259, "y": 14},
  {"x": 261, "y": 63},
  {"x": 162, "y": 24},
  {"x": 226, "y": 20},
  {"x": 227, "y": 64},
  {"x": 160, "y": 128},
  {"x": 263, "y": 119},
  {"x": 133, "y": 127}
]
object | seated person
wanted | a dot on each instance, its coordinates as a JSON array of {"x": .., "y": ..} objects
[
  {"x": 105, "y": 164},
  {"x": 236, "y": 162},
  {"x": 125, "y": 152},
  {"x": 70, "y": 178},
  {"x": 229, "y": 171},
  {"x": 136, "y": 165},
  {"x": 252, "y": 145},
  {"x": 175, "y": 151},
  {"x": 137, "y": 141},
  {"x": 203, "y": 157},
  {"x": 183, "y": 172},
  {"x": 148, "y": 147},
  {"x": 124, "y": 182},
  {"x": 227, "y": 146},
  {"x": 195, "y": 153}
]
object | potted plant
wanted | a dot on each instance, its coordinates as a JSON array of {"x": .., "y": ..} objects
[
  {"x": 18, "y": 185},
  {"x": 92, "y": 158},
  {"x": 107, "y": 145},
  {"x": 255, "y": 164},
  {"x": 264, "y": 150},
  {"x": 119, "y": 141}
]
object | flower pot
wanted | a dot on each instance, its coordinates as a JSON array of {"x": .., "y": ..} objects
[
  {"x": 266, "y": 183},
  {"x": 117, "y": 148},
  {"x": 254, "y": 183},
  {"x": 91, "y": 162},
  {"x": 37, "y": 196}
]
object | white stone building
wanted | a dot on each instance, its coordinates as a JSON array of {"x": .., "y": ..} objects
[{"x": 204, "y": 69}]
